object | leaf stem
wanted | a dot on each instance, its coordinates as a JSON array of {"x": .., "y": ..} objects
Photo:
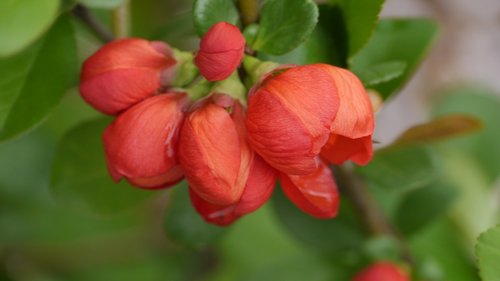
[
  {"x": 249, "y": 11},
  {"x": 369, "y": 211},
  {"x": 99, "y": 30}
]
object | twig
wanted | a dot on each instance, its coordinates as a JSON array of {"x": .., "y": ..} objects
[
  {"x": 369, "y": 211},
  {"x": 94, "y": 25},
  {"x": 249, "y": 11}
]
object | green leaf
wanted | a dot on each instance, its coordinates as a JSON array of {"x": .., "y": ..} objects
[
  {"x": 209, "y": 12},
  {"x": 422, "y": 206},
  {"x": 35, "y": 81},
  {"x": 360, "y": 17},
  {"x": 184, "y": 226},
  {"x": 441, "y": 128},
  {"x": 405, "y": 40},
  {"x": 80, "y": 179},
  {"x": 102, "y": 4},
  {"x": 341, "y": 234},
  {"x": 488, "y": 254},
  {"x": 23, "y": 21},
  {"x": 284, "y": 24},
  {"x": 380, "y": 73},
  {"x": 401, "y": 167},
  {"x": 482, "y": 104}
]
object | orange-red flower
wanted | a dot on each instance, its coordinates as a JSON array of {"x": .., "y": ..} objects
[
  {"x": 141, "y": 143},
  {"x": 124, "y": 72},
  {"x": 352, "y": 128},
  {"x": 316, "y": 194},
  {"x": 289, "y": 117},
  {"x": 213, "y": 150},
  {"x": 258, "y": 188},
  {"x": 382, "y": 271},
  {"x": 221, "y": 51}
]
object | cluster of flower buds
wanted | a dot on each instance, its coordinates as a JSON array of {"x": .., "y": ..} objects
[
  {"x": 382, "y": 271},
  {"x": 230, "y": 147}
]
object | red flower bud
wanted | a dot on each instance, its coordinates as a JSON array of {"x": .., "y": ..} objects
[
  {"x": 352, "y": 129},
  {"x": 124, "y": 72},
  {"x": 316, "y": 194},
  {"x": 289, "y": 117},
  {"x": 140, "y": 144},
  {"x": 221, "y": 51},
  {"x": 213, "y": 150},
  {"x": 258, "y": 189},
  {"x": 382, "y": 271}
]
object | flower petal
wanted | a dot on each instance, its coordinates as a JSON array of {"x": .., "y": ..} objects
[
  {"x": 339, "y": 149},
  {"x": 258, "y": 189},
  {"x": 140, "y": 144},
  {"x": 289, "y": 118},
  {"x": 355, "y": 118},
  {"x": 124, "y": 72},
  {"x": 221, "y": 51},
  {"x": 210, "y": 154},
  {"x": 316, "y": 194}
]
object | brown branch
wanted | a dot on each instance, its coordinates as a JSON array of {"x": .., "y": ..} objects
[
  {"x": 369, "y": 211},
  {"x": 99, "y": 30}
]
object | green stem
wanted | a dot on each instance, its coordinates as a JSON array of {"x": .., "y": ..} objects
[{"x": 256, "y": 68}]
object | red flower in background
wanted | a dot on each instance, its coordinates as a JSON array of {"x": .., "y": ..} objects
[
  {"x": 382, "y": 271},
  {"x": 221, "y": 51},
  {"x": 124, "y": 72},
  {"x": 141, "y": 143}
]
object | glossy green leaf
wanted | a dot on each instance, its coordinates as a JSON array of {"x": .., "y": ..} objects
[
  {"x": 481, "y": 146},
  {"x": 380, "y": 73},
  {"x": 422, "y": 206},
  {"x": 360, "y": 17},
  {"x": 35, "y": 81},
  {"x": 184, "y": 226},
  {"x": 102, "y": 4},
  {"x": 23, "y": 21},
  {"x": 401, "y": 167},
  {"x": 405, "y": 40},
  {"x": 209, "y": 12},
  {"x": 341, "y": 234},
  {"x": 284, "y": 24},
  {"x": 488, "y": 254},
  {"x": 80, "y": 179}
]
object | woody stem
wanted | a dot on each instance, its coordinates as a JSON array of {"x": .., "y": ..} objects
[
  {"x": 369, "y": 211},
  {"x": 99, "y": 30}
]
